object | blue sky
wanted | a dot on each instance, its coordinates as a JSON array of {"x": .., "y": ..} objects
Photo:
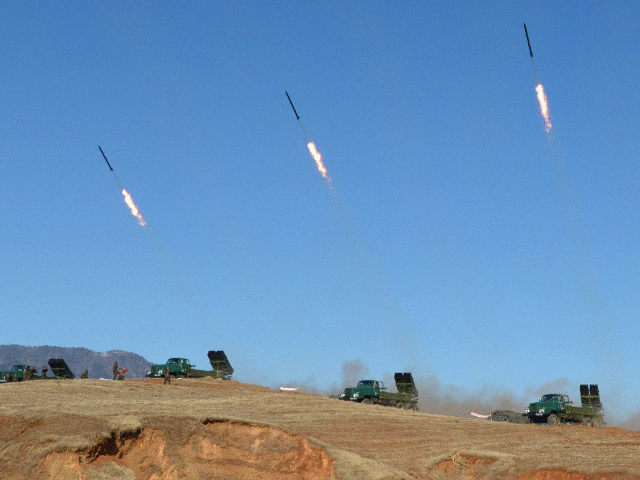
[{"x": 457, "y": 240}]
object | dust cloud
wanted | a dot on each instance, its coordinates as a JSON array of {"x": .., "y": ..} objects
[{"x": 439, "y": 398}]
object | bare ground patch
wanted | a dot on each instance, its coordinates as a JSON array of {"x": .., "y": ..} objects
[{"x": 218, "y": 449}]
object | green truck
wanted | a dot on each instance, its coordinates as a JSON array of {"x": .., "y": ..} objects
[
  {"x": 15, "y": 373},
  {"x": 179, "y": 367},
  {"x": 374, "y": 392},
  {"x": 555, "y": 408}
]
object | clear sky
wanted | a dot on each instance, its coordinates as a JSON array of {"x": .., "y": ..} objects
[{"x": 457, "y": 240}]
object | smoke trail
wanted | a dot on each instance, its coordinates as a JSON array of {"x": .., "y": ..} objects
[
  {"x": 186, "y": 289},
  {"x": 381, "y": 292},
  {"x": 609, "y": 355}
]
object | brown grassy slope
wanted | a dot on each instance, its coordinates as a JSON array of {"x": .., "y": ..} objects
[{"x": 41, "y": 417}]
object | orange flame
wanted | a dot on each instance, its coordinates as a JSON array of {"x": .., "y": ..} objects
[
  {"x": 544, "y": 107},
  {"x": 134, "y": 210},
  {"x": 318, "y": 158}
]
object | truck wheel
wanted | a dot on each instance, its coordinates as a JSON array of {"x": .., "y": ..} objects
[
  {"x": 399, "y": 405},
  {"x": 598, "y": 422},
  {"x": 367, "y": 401},
  {"x": 588, "y": 423},
  {"x": 553, "y": 419}
]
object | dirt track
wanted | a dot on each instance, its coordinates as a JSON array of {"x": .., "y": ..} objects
[{"x": 204, "y": 429}]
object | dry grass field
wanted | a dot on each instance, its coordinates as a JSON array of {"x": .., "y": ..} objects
[{"x": 214, "y": 429}]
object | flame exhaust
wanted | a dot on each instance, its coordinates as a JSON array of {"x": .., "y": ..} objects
[
  {"x": 134, "y": 210},
  {"x": 544, "y": 107},
  {"x": 318, "y": 158}
]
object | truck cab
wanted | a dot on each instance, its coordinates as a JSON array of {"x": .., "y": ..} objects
[
  {"x": 366, "y": 391},
  {"x": 549, "y": 408},
  {"x": 179, "y": 367},
  {"x": 374, "y": 391}
]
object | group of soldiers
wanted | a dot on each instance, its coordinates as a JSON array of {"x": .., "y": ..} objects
[
  {"x": 119, "y": 373},
  {"x": 29, "y": 373}
]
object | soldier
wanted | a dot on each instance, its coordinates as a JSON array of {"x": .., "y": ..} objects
[
  {"x": 85, "y": 374},
  {"x": 121, "y": 373},
  {"x": 25, "y": 373},
  {"x": 167, "y": 376},
  {"x": 7, "y": 377},
  {"x": 115, "y": 370},
  {"x": 34, "y": 372},
  {"x": 44, "y": 371}
]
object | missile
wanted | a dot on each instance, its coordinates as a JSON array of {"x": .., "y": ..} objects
[
  {"x": 294, "y": 108},
  {"x": 528, "y": 43},
  {"x": 105, "y": 158}
]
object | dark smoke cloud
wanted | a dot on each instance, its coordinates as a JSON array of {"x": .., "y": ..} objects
[{"x": 353, "y": 371}]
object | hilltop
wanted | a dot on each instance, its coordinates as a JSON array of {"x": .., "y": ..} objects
[{"x": 210, "y": 428}]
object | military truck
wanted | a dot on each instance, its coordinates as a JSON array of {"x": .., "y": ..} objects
[
  {"x": 15, "y": 373},
  {"x": 180, "y": 367},
  {"x": 374, "y": 392},
  {"x": 60, "y": 369},
  {"x": 555, "y": 408}
]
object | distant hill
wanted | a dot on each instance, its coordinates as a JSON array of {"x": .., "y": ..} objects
[{"x": 100, "y": 365}]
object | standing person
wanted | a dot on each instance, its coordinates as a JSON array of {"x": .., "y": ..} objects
[
  {"x": 44, "y": 371},
  {"x": 25, "y": 373},
  {"x": 7, "y": 377},
  {"x": 167, "y": 376},
  {"x": 115, "y": 370}
]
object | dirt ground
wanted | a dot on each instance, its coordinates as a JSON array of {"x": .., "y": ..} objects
[{"x": 214, "y": 429}]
